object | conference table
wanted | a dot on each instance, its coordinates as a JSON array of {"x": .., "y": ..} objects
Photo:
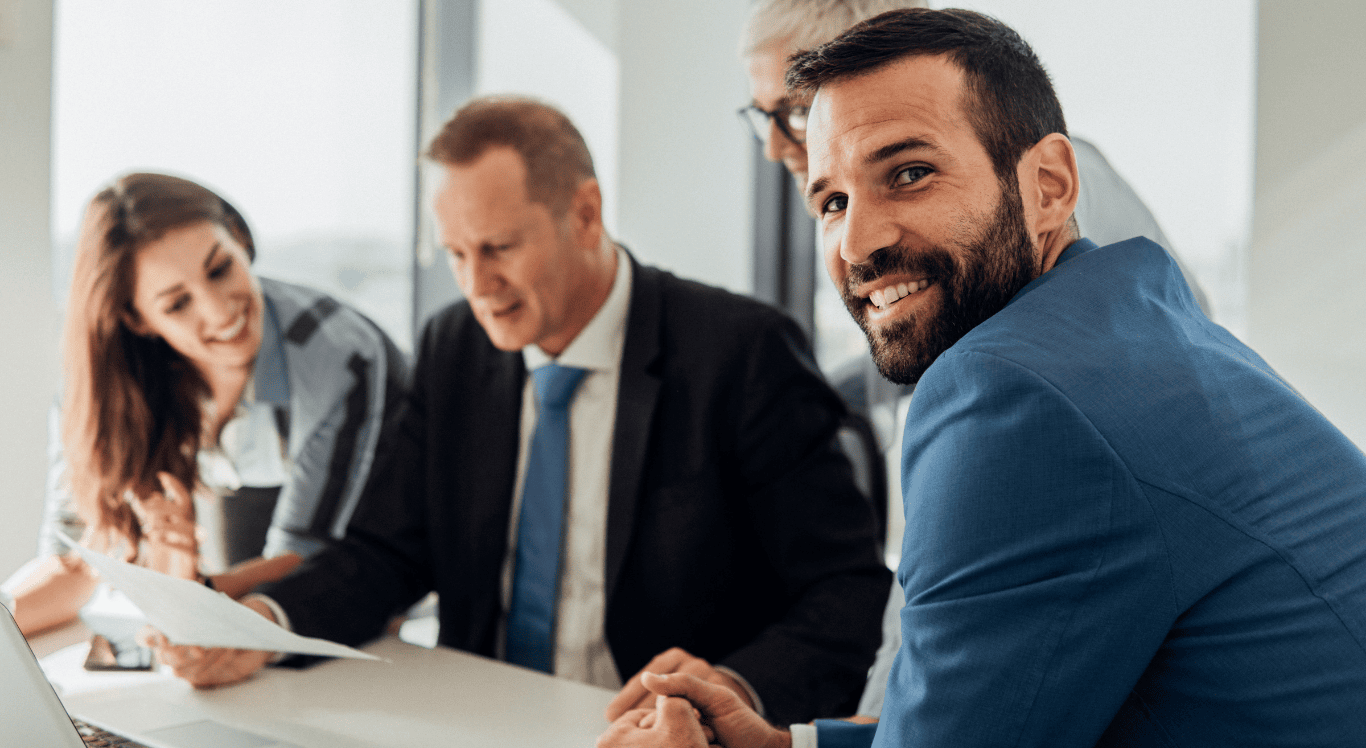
[{"x": 421, "y": 696}]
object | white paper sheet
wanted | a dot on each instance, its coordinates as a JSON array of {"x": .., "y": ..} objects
[{"x": 191, "y": 614}]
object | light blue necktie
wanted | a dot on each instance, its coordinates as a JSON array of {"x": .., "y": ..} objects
[{"x": 535, "y": 582}]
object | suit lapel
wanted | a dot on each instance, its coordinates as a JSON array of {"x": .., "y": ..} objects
[
  {"x": 637, "y": 393},
  {"x": 487, "y": 466}
]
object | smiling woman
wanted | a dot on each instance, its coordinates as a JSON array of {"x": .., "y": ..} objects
[
  {"x": 193, "y": 290},
  {"x": 209, "y": 416}
]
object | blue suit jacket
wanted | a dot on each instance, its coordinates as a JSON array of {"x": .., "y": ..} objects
[{"x": 1123, "y": 528}]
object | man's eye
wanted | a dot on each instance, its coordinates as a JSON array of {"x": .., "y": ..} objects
[
  {"x": 912, "y": 174},
  {"x": 835, "y": 204}
]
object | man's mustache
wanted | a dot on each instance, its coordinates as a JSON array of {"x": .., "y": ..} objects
[{"x": 934, "y": 264}]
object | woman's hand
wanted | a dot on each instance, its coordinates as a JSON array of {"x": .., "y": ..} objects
[
  {"x": 205, "y": 667},
  {"x": 167, "y": 522}
]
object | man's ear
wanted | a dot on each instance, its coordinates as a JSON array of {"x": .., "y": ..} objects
[
  {"x": 585, "y": 214},
  {"x": 1049, "y": 187}
]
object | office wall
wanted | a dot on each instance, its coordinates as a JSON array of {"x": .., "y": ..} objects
[
  {"x": 1306, "y": 312},
  {"x": 654, "y": 87},
  {"x": 1165, "y": 89},
  {"x": 684, "y": 169},
  {"x": 28, "y": 317},
  {"x": 536, "y": 47}
]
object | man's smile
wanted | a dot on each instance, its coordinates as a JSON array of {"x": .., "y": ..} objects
[{"x": 888, "y": 293}]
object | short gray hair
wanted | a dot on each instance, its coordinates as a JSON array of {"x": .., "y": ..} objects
[{"x": 807, "y": 24}]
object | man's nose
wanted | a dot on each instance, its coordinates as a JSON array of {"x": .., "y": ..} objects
[
  {"x": 866, "y": 230},
  {"x": 476, "y": 277}
]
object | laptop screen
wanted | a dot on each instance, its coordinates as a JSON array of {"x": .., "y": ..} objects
[{"x": 30, "y": 712}]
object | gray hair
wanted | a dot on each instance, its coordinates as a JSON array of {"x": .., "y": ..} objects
[{"x": 806, "y": 24}]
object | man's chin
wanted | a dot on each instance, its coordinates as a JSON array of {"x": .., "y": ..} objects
[
  {"x": 504, "y": 338},
  {"x": 900, "y": 363},
  {"x": 899, "y": 346}
]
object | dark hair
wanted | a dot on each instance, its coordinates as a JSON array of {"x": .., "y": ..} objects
[
  {"x": 556, "y": 157},
  {"x": 130, "y": 403},
  {"x": 1011, "y": 102}
]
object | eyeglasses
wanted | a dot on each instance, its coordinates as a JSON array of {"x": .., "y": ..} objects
[{"x": 790, "y": 119}]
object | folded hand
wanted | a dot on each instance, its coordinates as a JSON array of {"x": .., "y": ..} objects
[
  {"x": 672, "y": 723},
  {"x": 634, "y": 695},
  {"x": 166, "y": 519}
]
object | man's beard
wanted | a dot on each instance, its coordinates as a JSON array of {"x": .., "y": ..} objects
[{"x": 975, "y": 281}]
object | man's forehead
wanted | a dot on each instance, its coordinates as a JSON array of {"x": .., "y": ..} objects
[
  {"x": 483, "y": 197},
  {"x": 919, "y": 97},
  {"x": 767, "y": 68},
  {"x": 498, "y": 175}
]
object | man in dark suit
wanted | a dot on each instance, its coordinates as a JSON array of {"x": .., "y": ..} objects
[{"x": 701, "y": 518}]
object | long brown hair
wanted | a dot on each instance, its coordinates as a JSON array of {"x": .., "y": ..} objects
[{"x": 131, "y": 403}]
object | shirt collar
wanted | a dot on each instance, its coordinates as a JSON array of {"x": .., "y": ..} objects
[
  {"x": 270, "y": 379},
  {"x": 598, "y": 346}
]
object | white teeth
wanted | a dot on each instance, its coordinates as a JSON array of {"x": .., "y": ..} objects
[
  {"x": 884, "y": 298},
  {"x": 233, "y": 331}
]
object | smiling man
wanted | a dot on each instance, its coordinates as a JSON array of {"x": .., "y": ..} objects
[
  {"x": 1108, "y": 210},
  {"x": 936, "y": 240},
  {"x": 1122, "y": 527},
  {"x": 602, "y": 466}
]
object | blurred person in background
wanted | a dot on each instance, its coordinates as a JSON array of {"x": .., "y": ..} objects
[{"x": 214, "y": 424}]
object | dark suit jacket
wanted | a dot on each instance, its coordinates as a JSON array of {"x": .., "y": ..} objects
[{"x": 734, "y": 528}]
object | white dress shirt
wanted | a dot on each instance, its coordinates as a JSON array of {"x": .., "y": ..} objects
[
  {"x": 249, "y": 451},
  {"x": 581, "y": 651}
]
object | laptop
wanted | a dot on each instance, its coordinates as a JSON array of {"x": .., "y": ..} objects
[{"x": 32, "y": 715}]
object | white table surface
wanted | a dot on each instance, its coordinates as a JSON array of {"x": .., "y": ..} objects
[{"x": 436, "y": 697}]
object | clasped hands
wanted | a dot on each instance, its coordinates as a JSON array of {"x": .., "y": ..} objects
[
  {"x": 167, "y": 523},
  {"x": 682, "y": 701}
]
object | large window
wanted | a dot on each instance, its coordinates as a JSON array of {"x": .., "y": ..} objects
[{"x": 299, "y": 112}]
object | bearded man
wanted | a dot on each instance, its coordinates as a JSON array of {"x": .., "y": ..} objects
[{"x": 1122, "y": 527}]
